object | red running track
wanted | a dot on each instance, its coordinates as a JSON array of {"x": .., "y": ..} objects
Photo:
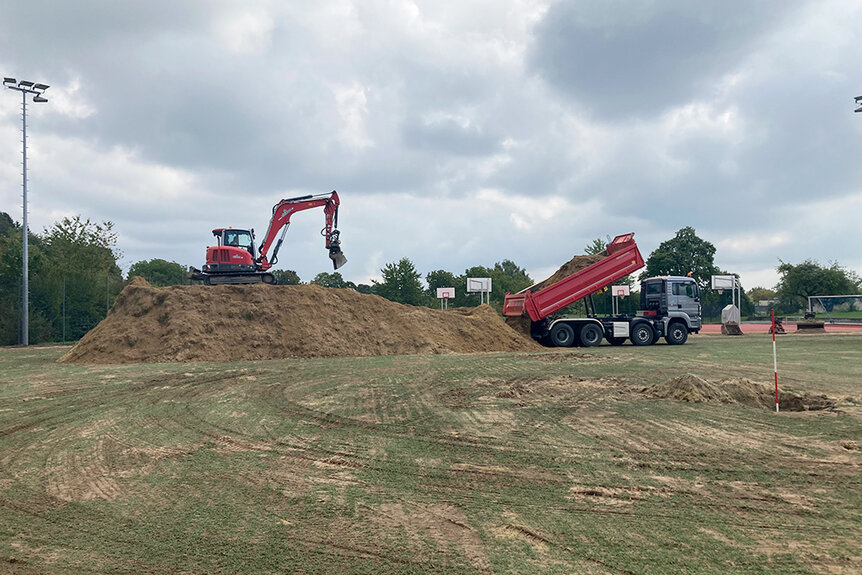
[{"x": 788, "y": 327}]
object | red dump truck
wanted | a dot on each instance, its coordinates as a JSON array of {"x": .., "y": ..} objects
[{"x": 670, "y": 305}]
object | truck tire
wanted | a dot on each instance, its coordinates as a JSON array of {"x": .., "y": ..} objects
[
  {"x": 562, "y": 335},
  {"x": 642, "y": 334},
  {"x": 677, "y": 333},
  {"x": 591, "y": 335}
]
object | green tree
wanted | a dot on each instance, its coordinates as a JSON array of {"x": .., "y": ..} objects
[
  {"x": 332, "y": 280},
  {"x": 159, "y": 272},
  {"x": 286, "y": 277},
  {"x": 75, "y": 252},
  {"x": 597, "y": 246},
  {"x": 83, "y": 253},
  {"x": 809, "y": 278},
  {"x": 760, "y": 293},
  {"x": 443, "y": 278},
  {"x": 10, "y": 277},
  {"x": 440, "y": 279},
  {"x": 681, "y": 255},
  {"x": 401, "y": 283},
  {"x": 8, "y": 226},
  {"x": 505, "y": 276}
]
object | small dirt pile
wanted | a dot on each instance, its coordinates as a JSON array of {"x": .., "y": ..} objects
[
  {"x": 695, "y": 389},
  {"x": 252, "y": 322},
  {"x": 690, "y": 388},
  {"x": 573, "y": 266}
]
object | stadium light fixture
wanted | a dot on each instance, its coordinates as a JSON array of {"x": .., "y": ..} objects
[
  {"x": 37, "y": 90},
  {"x": 858, "y": 102}
]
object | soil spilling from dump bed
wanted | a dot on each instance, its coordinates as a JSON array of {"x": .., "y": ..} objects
[
  {"x": 253, "y": 322},
  {"x": 572, "y": 266},
  {"x": 695, "y": 389},
  {"x": 521, "y": 324}
]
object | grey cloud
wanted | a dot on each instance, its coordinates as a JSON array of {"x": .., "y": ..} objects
[
  {"x": 449, "y": 137},
  {"x": 621, "y": 59}
]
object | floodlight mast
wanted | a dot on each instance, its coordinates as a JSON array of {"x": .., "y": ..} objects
[{"x": 37, "y": 90}]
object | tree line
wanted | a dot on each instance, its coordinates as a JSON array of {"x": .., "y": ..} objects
[{"x": 74, "y": 275}]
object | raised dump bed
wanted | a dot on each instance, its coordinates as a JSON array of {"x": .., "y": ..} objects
[{"x": 622, "y": 258}]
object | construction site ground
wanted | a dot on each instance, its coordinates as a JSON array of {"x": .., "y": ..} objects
[{"x": 603, "y": 461}]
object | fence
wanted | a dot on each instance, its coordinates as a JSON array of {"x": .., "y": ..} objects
[{"x": 60, "y": 311}]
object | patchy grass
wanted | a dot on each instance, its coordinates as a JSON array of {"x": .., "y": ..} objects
[{"x": 550, "y": 462}]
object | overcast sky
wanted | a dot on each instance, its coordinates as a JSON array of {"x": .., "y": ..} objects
[{"x": 456, "y": 133}]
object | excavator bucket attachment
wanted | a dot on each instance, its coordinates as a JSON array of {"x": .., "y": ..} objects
[{"x": 337, "y": 257}]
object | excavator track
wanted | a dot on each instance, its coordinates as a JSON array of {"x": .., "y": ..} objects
[{"x": 231, "y": 279}]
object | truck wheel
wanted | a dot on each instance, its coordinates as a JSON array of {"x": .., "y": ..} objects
[
  {"x": 562, "y": 335},
  {"x": 591, "y": 335},
  {"x": 677, "y": 333},
  {"x": 616, "y": 340},
  {"x": 642, "y": 334}
]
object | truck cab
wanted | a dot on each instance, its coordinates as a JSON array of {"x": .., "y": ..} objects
[{"x": 674, "y": 300}]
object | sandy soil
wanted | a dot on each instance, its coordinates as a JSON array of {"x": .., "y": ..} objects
[
  {"x": 254, "y": 322},
  {"x": 572, "y": 266},
  {"x": 695, "y": 389}
]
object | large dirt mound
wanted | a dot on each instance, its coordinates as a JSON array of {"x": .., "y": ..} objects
[
  {"x": 252, "y": 322},
  {"x": 572, "y": 266},
  {"x": 695, "y": 389}
]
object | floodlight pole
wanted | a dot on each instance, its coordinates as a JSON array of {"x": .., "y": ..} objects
[{"x": 25, "y": 87}]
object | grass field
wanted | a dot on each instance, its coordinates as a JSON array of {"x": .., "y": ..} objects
[{"x": 550, "y": 462}]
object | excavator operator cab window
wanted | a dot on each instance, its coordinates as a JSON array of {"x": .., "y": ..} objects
[{"x": 238, "y": 238}]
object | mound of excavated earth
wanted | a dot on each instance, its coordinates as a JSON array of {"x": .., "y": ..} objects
[
  {"x": 253, "y": 322},
  {"x": 694, "y": 389}
]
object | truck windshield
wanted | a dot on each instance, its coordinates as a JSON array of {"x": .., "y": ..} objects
[{"x": 685, "y": 288}]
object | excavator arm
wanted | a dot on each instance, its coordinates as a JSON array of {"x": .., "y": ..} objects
[{"x": 281, "y": 214}]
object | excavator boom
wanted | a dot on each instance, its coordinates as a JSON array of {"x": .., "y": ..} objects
[{"x": 284, "y": 210}]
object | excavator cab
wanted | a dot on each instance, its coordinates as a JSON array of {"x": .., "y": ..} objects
[{"x": 236, "y": 238}]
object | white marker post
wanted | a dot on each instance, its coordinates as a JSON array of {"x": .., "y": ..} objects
[{"x": 774, "y": 361}]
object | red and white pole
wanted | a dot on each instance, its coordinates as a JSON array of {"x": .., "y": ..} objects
[{"x": 774, "y": 361}]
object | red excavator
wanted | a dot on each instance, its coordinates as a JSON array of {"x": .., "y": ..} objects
[{"x": 234, "y": 260}]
